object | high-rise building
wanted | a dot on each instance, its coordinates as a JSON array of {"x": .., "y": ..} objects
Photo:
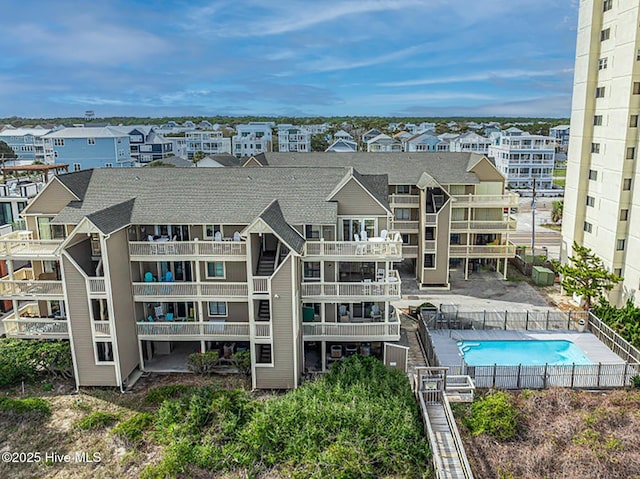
[{"x": 602, "y": 205}]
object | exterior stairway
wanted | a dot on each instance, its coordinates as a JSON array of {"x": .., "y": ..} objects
[
  {"x": 265, "y": 353},
  {"x": 267, "y": 263},
  {"x": 263, "y": 310}
]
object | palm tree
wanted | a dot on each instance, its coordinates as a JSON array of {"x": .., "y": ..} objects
[{"x": 556, "y": 211}]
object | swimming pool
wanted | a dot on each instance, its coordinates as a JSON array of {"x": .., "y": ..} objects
[{"x": 525, "y": 352}]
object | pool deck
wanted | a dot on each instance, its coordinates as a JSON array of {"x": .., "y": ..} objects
[{"x": 445, "y": 342}]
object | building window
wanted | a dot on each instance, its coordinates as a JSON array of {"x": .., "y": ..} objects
[
  {"x": 211, "y": 230},
  {"x": 633, "y": 121},
  {"x": 108, "y": 165},
  {"x": 600, "y": 92},
  {"x": 402, "y": 214},
  {"x": 312, "y": 231},
  {"x": 429, "y": 260},
  {"x": 618, "y": 272},
  {"x": 593, "y": 175},
  {"x": 77, "y": 167},
  {"x": 595, "y": 147},
  {"x": 58, "y": 142},
  {"x": 587, "y": 227},
  {"x": 631, "y": 152},
  {"x": 311, "y": 270},
  {"x": 217, "y": 308},
  {"x": 624, "y": 215},
  {"x": 104, "y": 352},
  {"x": 602, "y": 63},
  {"x": 597, "y": 120},
  {"x": 403, "y": 189},
  {"x": 91, "y": 141},
  {"x": 607, "y": 5},
  {"x": 626, "y": 184},
  {"x": 591, "y": 201},
  {"x": 638, "y": 55},
  {"x": 215, "y": 269},
  {"x": 636, "y": 87},
  {"x": 620, "y": 244},
  {"x": 605, "y": 34}
]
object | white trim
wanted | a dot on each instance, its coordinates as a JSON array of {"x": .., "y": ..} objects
[
  {"x": 348, "y": 177},
  {"x": 69, "y": 328},
  {"x": 266, "y": 228},
  {"x": 206, "y": 270},
  {"x": 226, "y": 308},
  {"x": 112, "y": 316}
]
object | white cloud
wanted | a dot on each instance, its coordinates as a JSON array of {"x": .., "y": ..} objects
[{"x": 474, "y": 77}]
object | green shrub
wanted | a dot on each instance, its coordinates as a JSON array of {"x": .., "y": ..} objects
[
  {"x": 27, "y": 359},
  {"x": 495, "y": 415},
  {"x": 242, "y": 361},
  {"x": 132, "y": 430},
  {"x": 157, "y": 396},
  {"x": 96, "y": 420},
  {"x": 26, "y": 405},
  {"x": 203, "y": 363},
  {"x": 635, "y": 381}
]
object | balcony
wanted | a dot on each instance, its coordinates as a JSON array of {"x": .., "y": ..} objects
[
  {"x": 509, "y": 200},
  {"x": 404, "y": 226},
  {"x": 482, "y": 251},
  {"x": 483, "y": 226},
  {"x": 97, "y": 287},
  {"x": 375, "y": 248},
  {"x": 36, "y": 328},
  {"x": 23, "y": 286},
  {"x": 404, "y": 201},
  {"x": 410, "y": 251},
  {"x": 190, "y": 291},
  {"x": 351, "y": 331},
  {"x": 208, "y": 331},
  {"x": 429, "y": 246},
  {"x": 431, "y": 219},
  {"x": 369, "y": 290},
  {"x": 153, "y": 250},
  {"x": 21, "y": 245}
]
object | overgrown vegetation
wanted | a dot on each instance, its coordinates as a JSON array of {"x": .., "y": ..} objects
[
  {"x": 132, "y": 430},
  {"x": 625, "y": 321},
  {"x": 360, "y": 420},
  {"x": 23, "y": 406},
  {"x": 494, "y": 414},
  {"x": 209, "y": 362},
  {"x": 96, "y": 421},
  {"x": 28, "y": 360}
]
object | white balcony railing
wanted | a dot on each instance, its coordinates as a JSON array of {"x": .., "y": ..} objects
[
  {"x": 190, "y": 290},
  {"x": 388, "y": 289},
  {"x": 410, "y": 251},
  {"x": 473, "y": 225},
  {"x": 429, "y": 246},
  {"x": 402, "y": 225},
  {"x": 20, "y": 244},
  {"x": 351, "y": 331},
  {"x": 261, "y": 284},
  {"x": 146, "y": 249},
  {"x": 404, "y": 200},
  {"x": 374, "y": 248},
  {"x": 262, "y": 329},
  {"x": 482, "y": 251},
  {"x": 97, "y": 286},
  {"x": 509, "y": 200},
  {"x": 101, "y": 329},
  {"x": 21, "y": 289},
  {"x": 38, "y": 328},
  {"x": 195, "y": 330},
  {"x": 431, "y": 219}
]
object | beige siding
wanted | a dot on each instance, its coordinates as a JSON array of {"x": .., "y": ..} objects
[
  {"x": 354, "y": 200},
  {"x": 440, "y": 275},
  {"x": 281, "y": 375},
  {"x": 123, "y": 307},
  {"x": 235, "y": 271},
  {"x": 52, "y": 199},
  {"x": 330, "y": 312},
  {"x": 236, "y": 312},
  {"x": 485, "y": 171},
  {"x": 490, "y": 188},
  {"x": 396, "y": 354},
  {"x": 89, "y": 374}
]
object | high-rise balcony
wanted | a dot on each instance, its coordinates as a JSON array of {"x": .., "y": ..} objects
[
  {"x": 366, "y": 290},
  {"x": 389, "y": 248},
  {"x": 21, "y": 245}
]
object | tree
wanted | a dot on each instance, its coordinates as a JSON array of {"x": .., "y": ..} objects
[
  {"x": 319, "y": 142},
  {"x": 556, "y": 211},
  {"x": 6, "y": 152},
  {"x": 199, "y": 155},
  {"x": 585, "y": 275}
]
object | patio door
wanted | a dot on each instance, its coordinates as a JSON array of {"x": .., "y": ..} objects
[{"x": 353, "y": 226}]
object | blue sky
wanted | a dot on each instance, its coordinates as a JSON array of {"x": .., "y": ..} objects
[{"x": 285, "y": 57}]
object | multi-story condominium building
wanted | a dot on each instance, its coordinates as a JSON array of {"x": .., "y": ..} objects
[
  {"x": 293, "y": 138},
  {"x": 208, "y": 142},
  {"x": 451, "y": 209},
  {"x": 90, "y": 147},
  {"x": 470, "y": 142},
  {"x": 147, "y": 145},
  {"x": 521, "y": 157},
  {"x": 383, "y": 143},
  {"x": 28, "y": 144},
  {"x": 560, "y": 134},
  {"x": 601, "y": 205},
  {"x": 253, "y": 138},
  {"x": 139, "y": 268}
]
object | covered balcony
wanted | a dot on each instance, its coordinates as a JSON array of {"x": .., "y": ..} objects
[
  {"x": 387, "y": 246},
  {"x": 479, "y": 226},
  {"x": 31, "y": 324},
  {"x": 21, "y": 245},
  {"x": 182, "y": 290},
  {"x": 373, "y": 327},
  {"x": 387, "y": 288},
  {"x": 509, "y": 200},
  {"x": 482, "y": 251},
  {"x": 24, "y": 286},
  {"x": 193, "y": 330},
  {"x": 166, "y": 249}
]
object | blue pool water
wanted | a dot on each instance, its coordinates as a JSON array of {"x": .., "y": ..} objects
[{"x": 525, "y": 352}]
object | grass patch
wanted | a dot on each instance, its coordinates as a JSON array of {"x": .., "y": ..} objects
[
  {"x": 96, "y": 421},
  {"x": 494, "y": 414},
  {"x": 156, "y": 396},
  {"x": 24, "y": 406},
  {"x": 552, "y": 226},
  {"x": 560, "y": 172},
  {"x": 559, "y": 182},
  {"x": 359, "y": 420},
  {"x": 132, "y": 430}
]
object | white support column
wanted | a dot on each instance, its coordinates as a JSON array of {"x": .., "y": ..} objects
[
  {"x": 323, "y": 355},
  {"x": 505, "y": 268},
  {"x": 466, "y": 268},
  {"x": 14, "y": 302}
]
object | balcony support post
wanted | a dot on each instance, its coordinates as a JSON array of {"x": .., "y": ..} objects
[
  {"x": 504, "y": 276},
  {"x": 466, "y": 268},
  {"x": 323, "y": 355}
]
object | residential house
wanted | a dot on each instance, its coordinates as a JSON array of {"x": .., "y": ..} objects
[
  {"x": 255, "y": 137},
  {"x": 383, "y": 143},
  {"x": 90, "y": 147},
  {"x": 342, "y": 135},
  {"x": 471, "y": 142},
  {"x": 342, "y": 146},
  {"x": 147, "y": 145},
  {"x": 208, "y": 142},
  {"x": 523, "y": 157},
  {"x": 560, "y": 134},
  {"x": 28, "y": 144},
  {"x": 370, "y": 135},
  {"x": 293, "y": 138},
  {"x": 422, "y": 142}
]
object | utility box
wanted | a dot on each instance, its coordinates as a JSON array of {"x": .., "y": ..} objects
[
  {"x": 542, "y": 276},
  {"x": 308, "y": 314}
]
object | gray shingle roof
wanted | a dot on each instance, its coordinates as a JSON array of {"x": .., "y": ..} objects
[
  {"x": 210, "y": 195},
  {"x": 403, "y": 168},
  {"x": 113, "y": 218},
  {"x": 272, "y": 215},
  {"x": 77, "y": 182},
  {"x": 378, "y": 186}
]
